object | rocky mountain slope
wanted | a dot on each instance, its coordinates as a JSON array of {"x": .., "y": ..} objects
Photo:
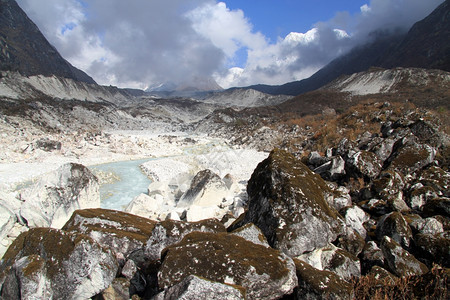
[
  {"x": 25, "y": 50},
  {"x": 424, "y": 46}
]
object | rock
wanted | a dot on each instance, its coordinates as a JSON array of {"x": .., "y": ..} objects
[
  {"x": 252, "y": 234},
  {"x": 351, "y": 241},
  {"x": 400, "y": 261},
  {"x": 194, "y": 287},
  {"x": 129, "y": 269},
  {"x": 428, "y": 133},
  {"x": 197, "y": 213},
  {"x": 265, "y": 273},
  {"x": 384, "y": 149},
  {"x": 355, "y": 217},
  {"x": 335, "y": 260},
  {"x": 363, "y": 164},
  {"x": 47, "y": 145},
  {"x": 119, "y": 231},
  {"x": 371, "y": 256},
  {"x": 419, "y": 195},
  {"x": 410, "y": 156},
  {"x": 118, "y": 290},
  {"x": 438, "y": 206},
  {"x": 317, "y": 284},
  {"x": 46, "y": 263},
  {"x": 438, "y": 179},
  {"x": 169, "y": 232},
  {"x": 395, "y": 226},
  {"x": 389, "y": 186},
  {"x": 146, "y": 206},
  {"x": 429, "y": 226},
  {"x": 341, "y": 197},
  {"x": 382, "y": 276},
  {"x": 435, "y": 246},
  {"x": 7, "y": 221},
  {"x": 52, "y": 200},
  {"x": 315, "y": 159},
  {"x": 289, "y": 203}
]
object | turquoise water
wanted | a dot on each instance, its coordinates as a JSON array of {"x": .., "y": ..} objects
[{"x": 132, "y": 182}]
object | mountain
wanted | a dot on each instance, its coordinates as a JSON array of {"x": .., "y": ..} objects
[
  {"x": 192, "y": 85},
  {"x": 243, "y": 98},
  {"x": 426, "y": 45},
  {"x": 24, "y": 48}
]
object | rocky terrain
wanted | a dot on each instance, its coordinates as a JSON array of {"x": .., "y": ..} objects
[{"x": 339, "y": 193}]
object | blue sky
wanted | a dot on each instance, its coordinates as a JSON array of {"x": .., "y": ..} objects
[
  {"x": 277, "y": 18},
  {"x": 141, "y": 43}
]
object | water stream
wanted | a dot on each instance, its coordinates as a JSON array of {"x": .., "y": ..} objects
[{"x": 130, "y": 182}]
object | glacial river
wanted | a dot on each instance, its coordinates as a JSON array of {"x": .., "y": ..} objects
[{"x": 131, "y": 182}]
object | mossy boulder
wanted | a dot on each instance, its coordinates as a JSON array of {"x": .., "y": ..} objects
[
  {"x": 169, "y": 232},
  {"x": 401, "y": 262},
  {"x": 438, "y": 179},
  {"x": 435, "y": 247},
  {"x": 45, "y": 263},
  {"x": 363, "y": 164},
  {"x": 194, "y": 287},
  {"x": 289, "y": 203},
  {"x": 394, "y": 225},
  {"x": 438, "y": 206},
  {"x": 318, "y": 284},
  {"x": 264, "y": 272},
  {"x": 121, "y": 232},
  {"x": 252, "y": 233},
  {"x": 371, "y": 256},
  {"x": 410, "y": 156}
]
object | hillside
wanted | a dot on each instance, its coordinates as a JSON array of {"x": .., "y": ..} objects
[
  {"x": 426, "y": 45},
  {"x": 24, "y": 48}
]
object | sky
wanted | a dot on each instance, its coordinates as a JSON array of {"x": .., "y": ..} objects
[{"x": 144, "y": 43}]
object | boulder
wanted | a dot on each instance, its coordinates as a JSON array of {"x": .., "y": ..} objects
[
  {"x": 146, "y": 206},
  {"x": 389, "y": 186},
  {"x": 382, "y": 276},
  {"x": 169, "y": 232},
  {"x": 438, "y": 206},
  {"x": 46, "y": 263},
  {"x": 7, "y": 221},
  {"x": 410, "y": 156},
  {"x": 355, "y": 217},
  {"x": 384, "y": 148},
  {"x": 251, "y": 233},
  {"x": 333, "y": 259},
  {"x": 438, "y": 179},
  {"x": 395, "y": 226},
  {"x": 265, "y": 273},
  {"x": 289, "y": 203},
  {"x": 371, "y": 256},
  {"x": 318, "y": 284},
  {"x": 47, "y": 144},
  {"x": 118, "y": 290},
  {"x": 436, "y": 247},
  {"x": 419, "y": 195},
  {"x": 119, "y": 231},
  {"x": 400, "y": 261},
  {"x": 52, "y": 200},
  {"x": 341, "y": 197},
  {"x": 429, "y": 226},
  {"x": 207, "y": 189},
  {"x": 194, "y": 287},
  {"x": 363, "y": 164}
]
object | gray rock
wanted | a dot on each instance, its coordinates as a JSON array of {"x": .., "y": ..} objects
[
  {"x": 194, "y": 287},
  {"x": 265, "y": 273},
  {"x": 317, "y": 284},
  {"x": 333, "y": 259},
  {"x": 289, "y": 203},
  {"x": 169, "y": 232},
  {"x": 420, "y": 195},
  {"x": 395, "y": 226},
  {"x": 252, "y": 233},
  {"x": 46, "y": 263},
  {"x": 438, "y": 179},
  {"x": 52, "y": 200},
  {"x": 355, "y": 217},
  {"x": 363, "y": 164},
  {"x": 119, "y": 231},
  {"x": 371, "y": 256},
  {"x": 400, "y": 261},
  {"x": 118, "y": 290},
  {"x": 47, "y": 145},
  {"x": 389, "y": 187}
]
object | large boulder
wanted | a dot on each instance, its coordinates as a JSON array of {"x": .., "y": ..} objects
[
  {"x": 207, "y": 189},
  {"x": 194, "y": 287},
  {"x": 169, "y": 232},
  {"x": 395, "y": 226},
  {"x": 435, "y": 247},
  {"x": 333, "y": 259},
  {"x": 318, "y": 284},
  {"x": 400, "y": 262},
  {"x": 252, "y": 234},
  {"x": 119, "y": 231},
  {"x": 265, "y": 273},
  {"x": 53, "y": 199},
  {"x": 46, "y": 263},
  {"x": 363, "y": 164},
  {"x": 289, "y": 203}
]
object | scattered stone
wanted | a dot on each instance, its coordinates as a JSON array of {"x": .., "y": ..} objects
[{"x": 265, "y": 273}]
